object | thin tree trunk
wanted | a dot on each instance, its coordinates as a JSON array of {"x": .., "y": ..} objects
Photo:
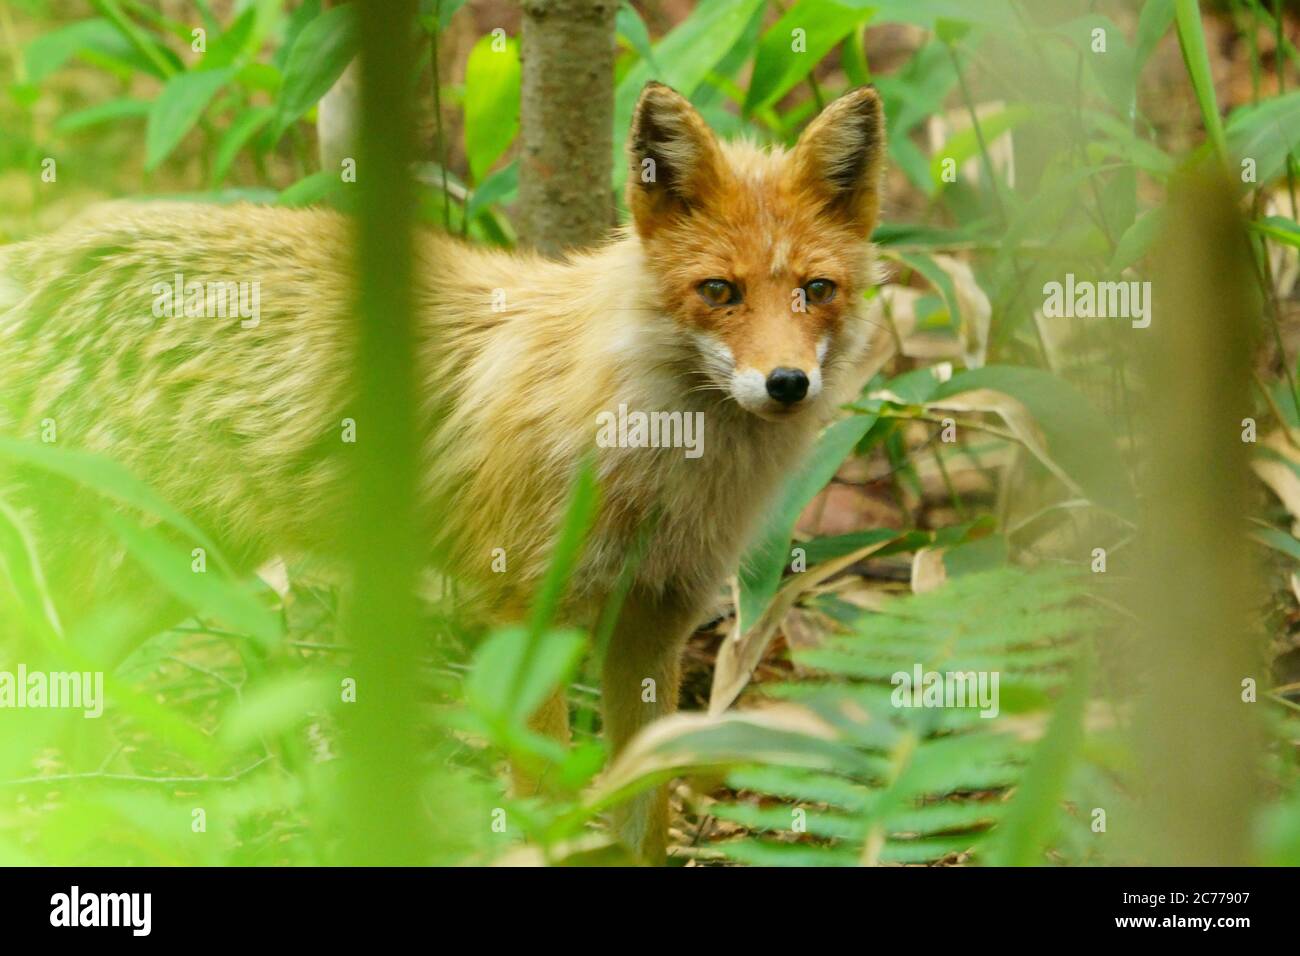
[{"x": 567, "y": 115}]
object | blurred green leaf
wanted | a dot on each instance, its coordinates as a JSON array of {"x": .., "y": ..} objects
[
  {"x": 964, "y": 144},
  {"x": 232, "y": 43},
  {"x": 1196, "y": 57},
  {"x": 778, "y": 66},
  {"x": 262, "y": 77},
  {"x": 243, "y": 129},
  {"x": 178, "y": 109},
  {"x": 104, "y": 476},
  {"x": 164, "y": 61},
  {"x": 206, "y": 592},
  {"x": 1077, "y": 437},
  {"x": 769, "y": 554},
  {"x": 500, "y": 187},
  {"x": 1033, "y": 817},
  {"x": 50, "y": 51},
  {"x": 951, "y": 32},
  {"x": 683, "y": 59},
  {"x": 491, "y": 103},
  {"x": 579, "y": 515},
  {"x": 1153, "y": 24},
  {"x": 311, "y": 190},
  {"x": 1278, "y": 540},
  {"x": 275, "y": 707},
  {"x": 508, "y": 682},
  {"x": 1264, "y": 134},
  {"x": 1279, "y": 228},
  {"x": 1137, "y": 239},
  {"x": 107, "y": 112},
  {"x": 629, "y": 25},
  {"x": 20, "y": 570},
  {"x": 320, "y": 54}
]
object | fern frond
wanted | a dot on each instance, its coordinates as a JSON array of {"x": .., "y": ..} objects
[{"x": 926, "y": 782}]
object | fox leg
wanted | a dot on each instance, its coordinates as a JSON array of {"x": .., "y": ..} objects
[
  {"x": 640, "y": 683},
  {"x": 551, "y": 720}
]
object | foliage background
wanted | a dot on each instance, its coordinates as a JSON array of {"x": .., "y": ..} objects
[{"x": 974, "y": 554}]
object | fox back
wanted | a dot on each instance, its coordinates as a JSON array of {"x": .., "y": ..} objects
[{"x": 241, "y": 422}]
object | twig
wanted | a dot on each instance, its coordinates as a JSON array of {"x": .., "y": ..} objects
[{"x": 129, "y": 777}]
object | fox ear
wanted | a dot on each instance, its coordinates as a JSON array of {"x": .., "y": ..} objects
[
  {"x": 674, "y": 159},
  {"x": 840, "y": 157}
]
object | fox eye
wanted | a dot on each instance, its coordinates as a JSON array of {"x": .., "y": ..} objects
[
  {"x": 820, "y": 291},
  {"x": 718, "y": 292}
]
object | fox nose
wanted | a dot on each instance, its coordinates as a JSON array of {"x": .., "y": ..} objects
[{"x": 787, "y": 385}]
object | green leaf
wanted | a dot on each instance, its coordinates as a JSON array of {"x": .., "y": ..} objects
[
  {"x": 206, "y": 592},
  {"x": 828, "y": 549},
  {"x": 500, "y": 187},
  {"x": 929, "y": 13},
  {"x": 767, "y": 557},
  {"x": 446, "y": 10},
  {"x": 177, "y": 109},
  {"x": 1153, "y": 23},
  {"x": 1031, "y": 820},
  {"x": 20, "y": 570},
  {"x": 275, "y": 707},
  {"x": 106, "y": 112},
  {"x": 786, "y": 735},
  {"x": 757, "y": 852},
  {"x": 1137, "y": 239},
  {"x": 629, "y": 25},
  {"x": 104, "y": 476},
  {"x": 1113, "y": 71},
  {"x": 584, "y": 500},
  {"x": 1127, "y": 146},
  {"x": 683, "y": 59},
  {"x": 981, "y": 554},
  {"x": 1077, "y": 437},
  {"x": 964, "y": 144},
  {"x": 260, "y": 77},
  {"x": 311, "y": 189},
  {"x": 491, "y": 103},
  {"x": 951, "y": 31},
  {"x": 778, "y": 66},
  {"x": 319, "y": 56},
  {"x": 51, "y": 50},
  {"x": 1278, "y": 541},
  {"x": 508, "y": 683},
  {"x": 797, "y": 783},
  {"x": 243, "y": 129},
  {"x": 1191, "y": 39},
  {"x": 1279, "y": 228},
  {"x": 164, "y": 62},
  {"x": 232, "y": 43},
  {"x": 1265, "y": 133}
]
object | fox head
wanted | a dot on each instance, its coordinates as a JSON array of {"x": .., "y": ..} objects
[{"x": 760, "y": 257}]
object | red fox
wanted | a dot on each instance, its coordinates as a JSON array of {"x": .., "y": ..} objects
[{"x": 734, "y": 299}]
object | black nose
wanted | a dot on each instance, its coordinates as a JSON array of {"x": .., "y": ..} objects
[{"x": 787, "y": 385}]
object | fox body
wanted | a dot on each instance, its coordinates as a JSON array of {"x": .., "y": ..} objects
[{"x": 735, "y": 294}]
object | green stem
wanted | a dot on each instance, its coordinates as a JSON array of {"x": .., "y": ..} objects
[{"x": 979, "y": 134}]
